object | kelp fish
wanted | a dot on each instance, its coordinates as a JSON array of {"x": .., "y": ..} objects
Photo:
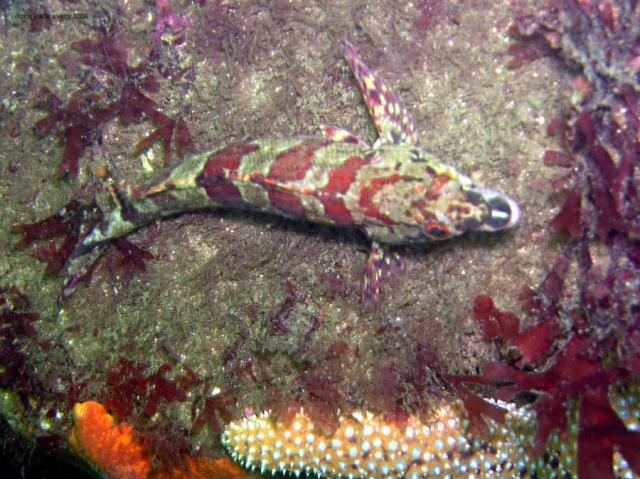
[{"x": 394, "y": 191}]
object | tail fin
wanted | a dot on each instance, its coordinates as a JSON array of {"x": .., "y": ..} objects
[
  {"x": 72, "y": 223},
  {"x": 86, "y": 233},
  {"x": 79, "y": 267}
]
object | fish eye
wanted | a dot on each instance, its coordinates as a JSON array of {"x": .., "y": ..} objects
[{"x": 436, "y": 231}]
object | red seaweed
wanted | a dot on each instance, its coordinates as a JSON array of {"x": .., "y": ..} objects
[
  {"x": 64, "y": 224},
  {"x": 567, "y": 221},
  {"x": 279, "y": 321},
  {"x": 584, "y": 326},
  {"x": 17, "y": 326},
  {"x": 80, "y": 122},
  {"x": 216, "y": 409},
  {"x": 64, "y": 229},
  {"x": 167, "y": 18},
  {"x": 131, "y": 387},
  {"x": 496, "y": 324},
  {"x": 432, "y": 13},
  {"x": 558, "y": 158},
  {"x": 133, "y": 257}
]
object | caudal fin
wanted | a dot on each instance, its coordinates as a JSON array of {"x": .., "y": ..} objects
[
  {"x": 64, "y": 232},
  {"x": 77, "y": 235}
]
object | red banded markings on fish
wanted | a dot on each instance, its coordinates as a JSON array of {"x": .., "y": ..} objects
[
  {"x": 270, "y": 179},
  {"x": 283, "y": 181},
  {"x": 235, "y": 176},
  {"x": 216, "y": 177},
  {"x": 319, "y": 185},
  {"x": 332, "y": 195},
  {"x": 305, "y": 178},
  {"x": 370, "y": 198},
  {"x": 293, "y": 164}
]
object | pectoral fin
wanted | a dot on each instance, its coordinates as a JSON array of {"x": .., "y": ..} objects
[
  {"x": 380, "y": 265},
  {"x": 392, "y": 120}
]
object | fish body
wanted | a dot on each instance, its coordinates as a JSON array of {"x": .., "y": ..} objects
[{"x": 394, "y": 191}]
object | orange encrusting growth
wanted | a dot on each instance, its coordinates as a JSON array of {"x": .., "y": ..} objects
[
  {"x": 119, "y": 452},
  {"x": 115, "y": 449},
  {"x": 200, "y": 467}
]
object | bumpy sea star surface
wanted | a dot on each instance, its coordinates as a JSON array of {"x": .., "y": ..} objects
[{"x": 366, "y": 445}]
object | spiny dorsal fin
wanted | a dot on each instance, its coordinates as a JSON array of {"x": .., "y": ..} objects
[{"x": 392, "y": 120}]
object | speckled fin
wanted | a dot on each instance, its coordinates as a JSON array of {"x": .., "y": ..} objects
[
  {"x": 380, "y": 264},
  {"x": 341, "y": 135},
  {"x": 393, "y": 121}
]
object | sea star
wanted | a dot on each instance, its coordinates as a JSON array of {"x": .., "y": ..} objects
[{"x": 366, "y": 445}]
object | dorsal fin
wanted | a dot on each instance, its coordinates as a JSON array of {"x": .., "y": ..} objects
[
  {"x": 392, "y": 120},
  {"x": 341, "y": 135}
]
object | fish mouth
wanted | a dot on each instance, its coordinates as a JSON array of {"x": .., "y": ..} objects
[{"x": 504, "y": 212}]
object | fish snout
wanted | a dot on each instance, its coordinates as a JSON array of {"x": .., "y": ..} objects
[{"x": 504, "y": 212}]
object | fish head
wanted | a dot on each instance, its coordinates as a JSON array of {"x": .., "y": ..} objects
[{"x": 454, "y": 208}]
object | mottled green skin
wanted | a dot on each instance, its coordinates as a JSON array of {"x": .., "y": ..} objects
[{"x": 178, "y": 191}]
